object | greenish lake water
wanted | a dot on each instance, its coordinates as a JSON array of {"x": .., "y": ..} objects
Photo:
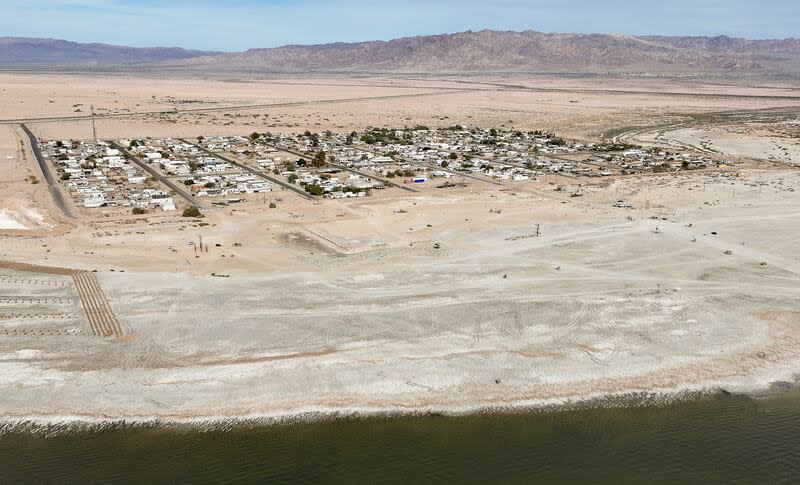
[{"x": 721, "y": 439}]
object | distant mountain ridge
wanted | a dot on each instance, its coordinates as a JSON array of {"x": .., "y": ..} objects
[
  {"x": 490, "y": 50},
  {"x": 23, "y": 51},
  {"x": 485, "y": 51}
]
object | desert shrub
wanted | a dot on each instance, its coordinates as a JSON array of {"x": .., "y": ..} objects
[{"x": 192, "y": 211}]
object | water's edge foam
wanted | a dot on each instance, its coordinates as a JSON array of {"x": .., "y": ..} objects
[{"x": 64, "y": 424}]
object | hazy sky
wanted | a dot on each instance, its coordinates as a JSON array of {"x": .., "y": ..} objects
[{"x": 242, "y": 24}]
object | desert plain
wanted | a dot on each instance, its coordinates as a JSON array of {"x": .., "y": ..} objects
[{"x": 438, "y": 301}]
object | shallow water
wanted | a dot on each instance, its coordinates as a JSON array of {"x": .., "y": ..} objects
[{"x": 720, "y": 439}]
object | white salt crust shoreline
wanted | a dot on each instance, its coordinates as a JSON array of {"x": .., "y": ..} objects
[
  {"x": 52, "y": 425},
  {"x": 607, "y": 303}
]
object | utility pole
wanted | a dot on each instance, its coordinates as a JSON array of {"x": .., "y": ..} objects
[{"x": 94, "y": 127}]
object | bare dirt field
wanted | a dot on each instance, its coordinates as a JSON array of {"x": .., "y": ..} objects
[
  {"x": 440, "y": 300},
  {"x": 583, "y": 106}
]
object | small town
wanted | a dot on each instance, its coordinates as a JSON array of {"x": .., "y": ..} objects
[{"x": 161, "y": 174}]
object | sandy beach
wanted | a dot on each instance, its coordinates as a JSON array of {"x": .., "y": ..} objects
[{"x": 343, "y": 307}]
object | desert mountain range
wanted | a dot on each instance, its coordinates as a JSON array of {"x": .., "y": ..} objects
[
  {"x": 24, "y": 51},
  {"x": 486, "y": 50}
]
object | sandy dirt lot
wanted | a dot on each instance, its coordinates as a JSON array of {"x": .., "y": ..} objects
[
  {"x": 348, "y": 306},
  {"x": 583, "y": 107}
]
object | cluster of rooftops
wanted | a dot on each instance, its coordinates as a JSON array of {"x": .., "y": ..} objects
[{"x": 132, "y": 172}]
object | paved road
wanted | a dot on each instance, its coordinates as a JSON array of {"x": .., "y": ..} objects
[
  {"x": 559, "y": 174},
  {"x": 436, "y": 167},
  {"x": 256, "y": 172},
  {"x": 147, "y": 168},
  {"x": 629, "y": 92},
  {"x": 462, "y": 174},
  {"x": 52, "y": 183},
  {"x": 347, "y": 169}
]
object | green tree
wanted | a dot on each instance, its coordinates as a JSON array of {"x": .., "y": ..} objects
[
  {"x": 319, "y": 159},
  {"x": 192, "y": 211},
  {"x": 314, "y": 189}
]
